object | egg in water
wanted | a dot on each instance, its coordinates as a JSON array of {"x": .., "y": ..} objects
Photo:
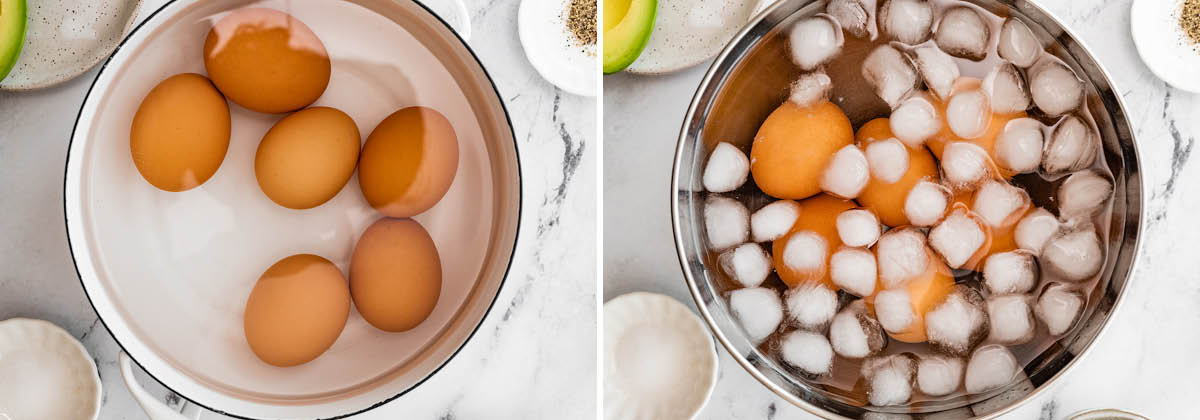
[
  {"x": 408, "y": 162},
  {"x": 297, "y": 310},
  {"x": 266, "y": 60},
  {"x": 307, "y": 157},
  {"x": 395, "y": 274},
  {"x": 180, "y": 133}
]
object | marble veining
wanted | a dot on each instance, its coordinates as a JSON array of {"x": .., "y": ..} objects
[
  {"x": 534, "y": 355},
  {"x": 1143, "y": 362}
]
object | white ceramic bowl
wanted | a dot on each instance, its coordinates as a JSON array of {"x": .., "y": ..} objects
[
  {"x": 659, "y": 360},
  {"x": 45, "y": 373},
  {"x": 169, "y": 273}
]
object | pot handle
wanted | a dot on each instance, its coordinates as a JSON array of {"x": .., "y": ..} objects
[{"x": 154, "y": 408}]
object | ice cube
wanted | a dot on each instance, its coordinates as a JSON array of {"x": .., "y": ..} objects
[
  {"x": 808, "y": 351},
  {"x": 999, "y": 203},
  {"x": 958, "y": 237},
  {"x": 939, "y": 375},
  {"x": 758, "y": 309},
  {"x": 814, "y": 41},
  {"x": 854, "y": 16},
  {"x": 926, "y": 203},
  {"x": 810, "y": 89},
  {"x": 958, "y": 323},
  {"x": 810, "y": 305},
  {"x": 907, "y": 21},
  {"x": 1007, "y": 89},
  {"x": 805, "y": 251},
  {"x": 901, "y": 255},
  {"x": 1019, "y": 147},
  {"x": 1055, "y": 88},
  {"x": 847, "y": 173},
  {"x": 1035, "y": 229},
  {"x": 1010, "y": 272},
  {"x": 855, "y": 333},
  {"x": 774, "y": 220},
  {"x": 858, "y": 227},
  {"x": 915, "y": 121},
  {"x": 968, "y": 113},
  {"x": 1074, "y": 255},
  {"x": 894, "y": 310},
  {"x": 937, "y": 68},
  {"x": 1072, "y": 146},
  {"x": 888, "y": 160},
  {"x": 727, "y": 222},
  {"x": 962, "y": 32},
  {"x": 890, "y": 73},
  {"x": 1058, "y": 307},
  {"x": 1011, "y": 319},
  {"x": 748, "y": 264},
  {"x": 889, "y": 379},
  {"x": 1083, "y": 194},
  {"x": 853, "y": 269},
  {"x": 727, "y": 168},
  {"x": 991, "y": 366},
  {"x": 1017, "y": 43},
  {"x": 964, "y": 165}
]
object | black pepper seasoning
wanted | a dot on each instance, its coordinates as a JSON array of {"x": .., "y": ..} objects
[
  {"x": 581, "y": 21},
  {"x": 1189, "y": 20}
]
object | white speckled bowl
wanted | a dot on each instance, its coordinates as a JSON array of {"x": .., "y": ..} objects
[
  {"x": 65, "y": 38},
  {"x": 45, "y": 373},
  {"x": 169, "y": 273},
  {"x": 687, "y": 32}
]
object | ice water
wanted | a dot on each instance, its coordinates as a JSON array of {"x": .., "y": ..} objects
[{"x": 1004, "y": 59}]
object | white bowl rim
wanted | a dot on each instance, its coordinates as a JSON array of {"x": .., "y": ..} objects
[{"x": 67, "y": 221}]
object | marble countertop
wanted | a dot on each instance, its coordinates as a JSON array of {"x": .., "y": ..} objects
[
  {"x": 533, "y": 357},
  {"x": 1144, "y": 362}
]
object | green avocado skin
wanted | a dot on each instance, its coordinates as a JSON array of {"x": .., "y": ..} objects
[
  {"x": 12, "y": 33},
  {"x": 629, "y": 44}
]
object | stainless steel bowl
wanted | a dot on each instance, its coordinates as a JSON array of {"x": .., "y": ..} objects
[{"x": 715, "y": 115}]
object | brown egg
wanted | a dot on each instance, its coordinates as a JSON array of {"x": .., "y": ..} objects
[
  {"x": 794, "y": 145},
  {"x": 266, "y": 60},
  {"x": 924, "y": 292},
  {"x": 307, "y": 157},
  {"x": 180, "y": 133},
  {"x": 296, "y": 310},
  {"x": 987, "y": 140},
  {"x": 818, "y": 215},
  {"x": 887, "y": 200},
  {"x": 395, "y": 274},
  {"x": 408, "y": 162}
]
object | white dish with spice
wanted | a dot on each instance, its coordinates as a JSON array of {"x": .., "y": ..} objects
[
  {"x": 1162, "y": 42},
  {"x": 45, "y": 373},
  {"x": 65, "y": 38},
  {"x": 547, "y": 31}
]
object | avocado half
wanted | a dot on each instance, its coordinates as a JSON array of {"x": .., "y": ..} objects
[
  {"x": 12, "y": 33},
  {"x": 627, "y": 27}
]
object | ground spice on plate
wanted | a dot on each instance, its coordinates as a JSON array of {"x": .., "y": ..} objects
[
  {"x": 1189, "y": 20},
  {"x": 581, "y": 21}
]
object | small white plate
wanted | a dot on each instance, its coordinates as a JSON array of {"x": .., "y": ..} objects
[
  {"x": 553, "y": 50},
  {"x": 659, "y": 359},
  {"x": 65, "y": 38},
  {"x": 45, "y": 373},
  {"x": 687, "y": 32},
  {"x": 1163, "y": 45}
]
